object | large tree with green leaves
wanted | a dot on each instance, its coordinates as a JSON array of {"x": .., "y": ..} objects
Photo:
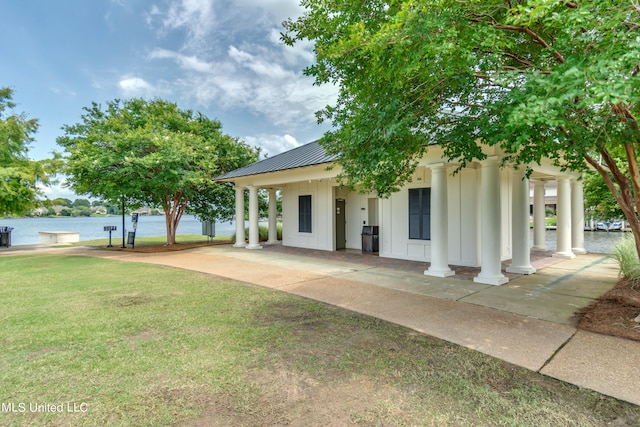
[
  {"x": 19, "y": 175},
  {"x": 539, "y": 78},
  {"x": 152, "y": 153}
]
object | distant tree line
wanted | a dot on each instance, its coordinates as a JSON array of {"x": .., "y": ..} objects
[{"x": 80, "y": 207}]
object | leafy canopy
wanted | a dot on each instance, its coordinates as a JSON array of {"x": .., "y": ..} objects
[
  {"x": 19, "y": 176},
  {"x": 538, "y": 78},
  {"x": 152, "y": 153}
]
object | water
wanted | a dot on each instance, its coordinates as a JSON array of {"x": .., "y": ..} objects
[
  {"x": 599, "y": 242},
  {"x": 25, "y": 230}
]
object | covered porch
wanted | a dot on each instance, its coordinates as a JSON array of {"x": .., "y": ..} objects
[{"x": 479, "y": 218}]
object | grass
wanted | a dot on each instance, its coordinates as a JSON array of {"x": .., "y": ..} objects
[
  {"x": 148, "y": 345},
  {"x": 152, "y": 240},
  {"x": 548, "y": 222}
]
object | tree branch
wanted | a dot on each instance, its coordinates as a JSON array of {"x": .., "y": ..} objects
[
  {"x": 519, "y": 59},
  {"x": 490, "y": 20},
  {"x": 632, "y": 159},
  {"x": 534, "y": 36},
  {"x": 607, "y": 179}
]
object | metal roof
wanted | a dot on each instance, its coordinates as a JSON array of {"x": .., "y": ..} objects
[{"x": 306, "y": 155}]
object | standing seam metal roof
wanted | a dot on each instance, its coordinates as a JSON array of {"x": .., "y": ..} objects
[{"x": 306, "y": 155}]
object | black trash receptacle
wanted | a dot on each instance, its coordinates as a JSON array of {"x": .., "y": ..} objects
[
  {"x": 5, "y": 236},
  {"x": 370, "y": 238},
  {"x": 209, "y": 229}
]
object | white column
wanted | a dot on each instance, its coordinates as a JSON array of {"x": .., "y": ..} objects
[
  {"x": 539, "y": 212},
  {"x": 491, "y": 267},
  {"x": 273, "y": 218},
  {"x": 563, "y": 223},
  {"x": 254, "y": 233},
  {"x": 439, "y": 224},
  {"x": 521, "y": 254},
  {"x": 240, "y": 243},
  {"x": 577, "y": 217}
]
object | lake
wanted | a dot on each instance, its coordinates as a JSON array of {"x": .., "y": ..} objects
[
  {"x": 25, "y": 230},
  {"x": 600, "y": 242}
]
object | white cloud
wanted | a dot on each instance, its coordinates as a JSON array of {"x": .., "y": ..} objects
[
  {"x": 229, "y": 57},
  {"x": 251, "y": 80},
  {"x": 279, "y": 9},
  {"x": 261, "y": 67},
  {"x": 186, "y": 62},
  {"x": 135, "y": 86},
  {"x": 272, "y": 144},
  {"x": 63, "y": 92},
  {"x": 196, "y": 17},
  {"x": 301, "y": 51},
  {"x": 56, "y": 191}
]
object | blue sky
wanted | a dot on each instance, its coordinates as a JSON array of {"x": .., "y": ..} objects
[{"x": 220, "y": 57}]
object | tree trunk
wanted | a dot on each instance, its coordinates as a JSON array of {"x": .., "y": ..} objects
[
  {"x": 171, "y": 232},
  {"x": 626, "y": 198},
  {"x": 173, "y": 210}
]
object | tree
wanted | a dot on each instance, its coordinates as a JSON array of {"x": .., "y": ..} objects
[
  {"x": 152, "y": 153},
  {"x": 19, "y": 176},
  {"x": 598, "y": 198},
  {"x": 61, "y": 201},
  {"x": 81, "y": 203},
  {"x": 539, "y": 79}
]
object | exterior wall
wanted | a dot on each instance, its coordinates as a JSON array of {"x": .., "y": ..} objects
[
  {"x": 323, "y": 195},
  {"x": 463, "y": 220},
  {"x": 322, "y": 212}
]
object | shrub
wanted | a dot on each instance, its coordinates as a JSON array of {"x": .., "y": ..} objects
[{"x": 627, "y": 257}]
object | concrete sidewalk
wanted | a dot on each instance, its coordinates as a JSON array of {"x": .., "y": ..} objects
[{"x": 528, "y": 321}]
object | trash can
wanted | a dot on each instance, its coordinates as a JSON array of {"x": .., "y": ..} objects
[
  {"x": 5, "y": 236},
  {"x": 370, "y": 238},
  {"x": 131, "y": 239},
  {"x": 209, "y": 229}
]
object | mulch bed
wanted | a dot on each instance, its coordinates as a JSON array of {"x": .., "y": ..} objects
[
  {"x": 170, "y": 248},
  {"x": 614, "y": 313}
]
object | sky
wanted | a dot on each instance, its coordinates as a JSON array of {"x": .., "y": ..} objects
[{"x": 223, "y": 58}]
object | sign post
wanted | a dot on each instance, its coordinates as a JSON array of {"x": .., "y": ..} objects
[
  {"x": 132, "y": 234},
  {"x": 123, "y": 230}
]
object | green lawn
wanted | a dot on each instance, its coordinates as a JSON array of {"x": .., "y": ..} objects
[
  {"x": 133, "y": 344},
  {"x": 152, "y": 240}
]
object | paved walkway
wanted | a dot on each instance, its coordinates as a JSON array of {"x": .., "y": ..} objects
[{"x": 528, "y": 322}]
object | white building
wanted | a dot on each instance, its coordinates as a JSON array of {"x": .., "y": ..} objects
[{"x": 478, "y": 217}]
